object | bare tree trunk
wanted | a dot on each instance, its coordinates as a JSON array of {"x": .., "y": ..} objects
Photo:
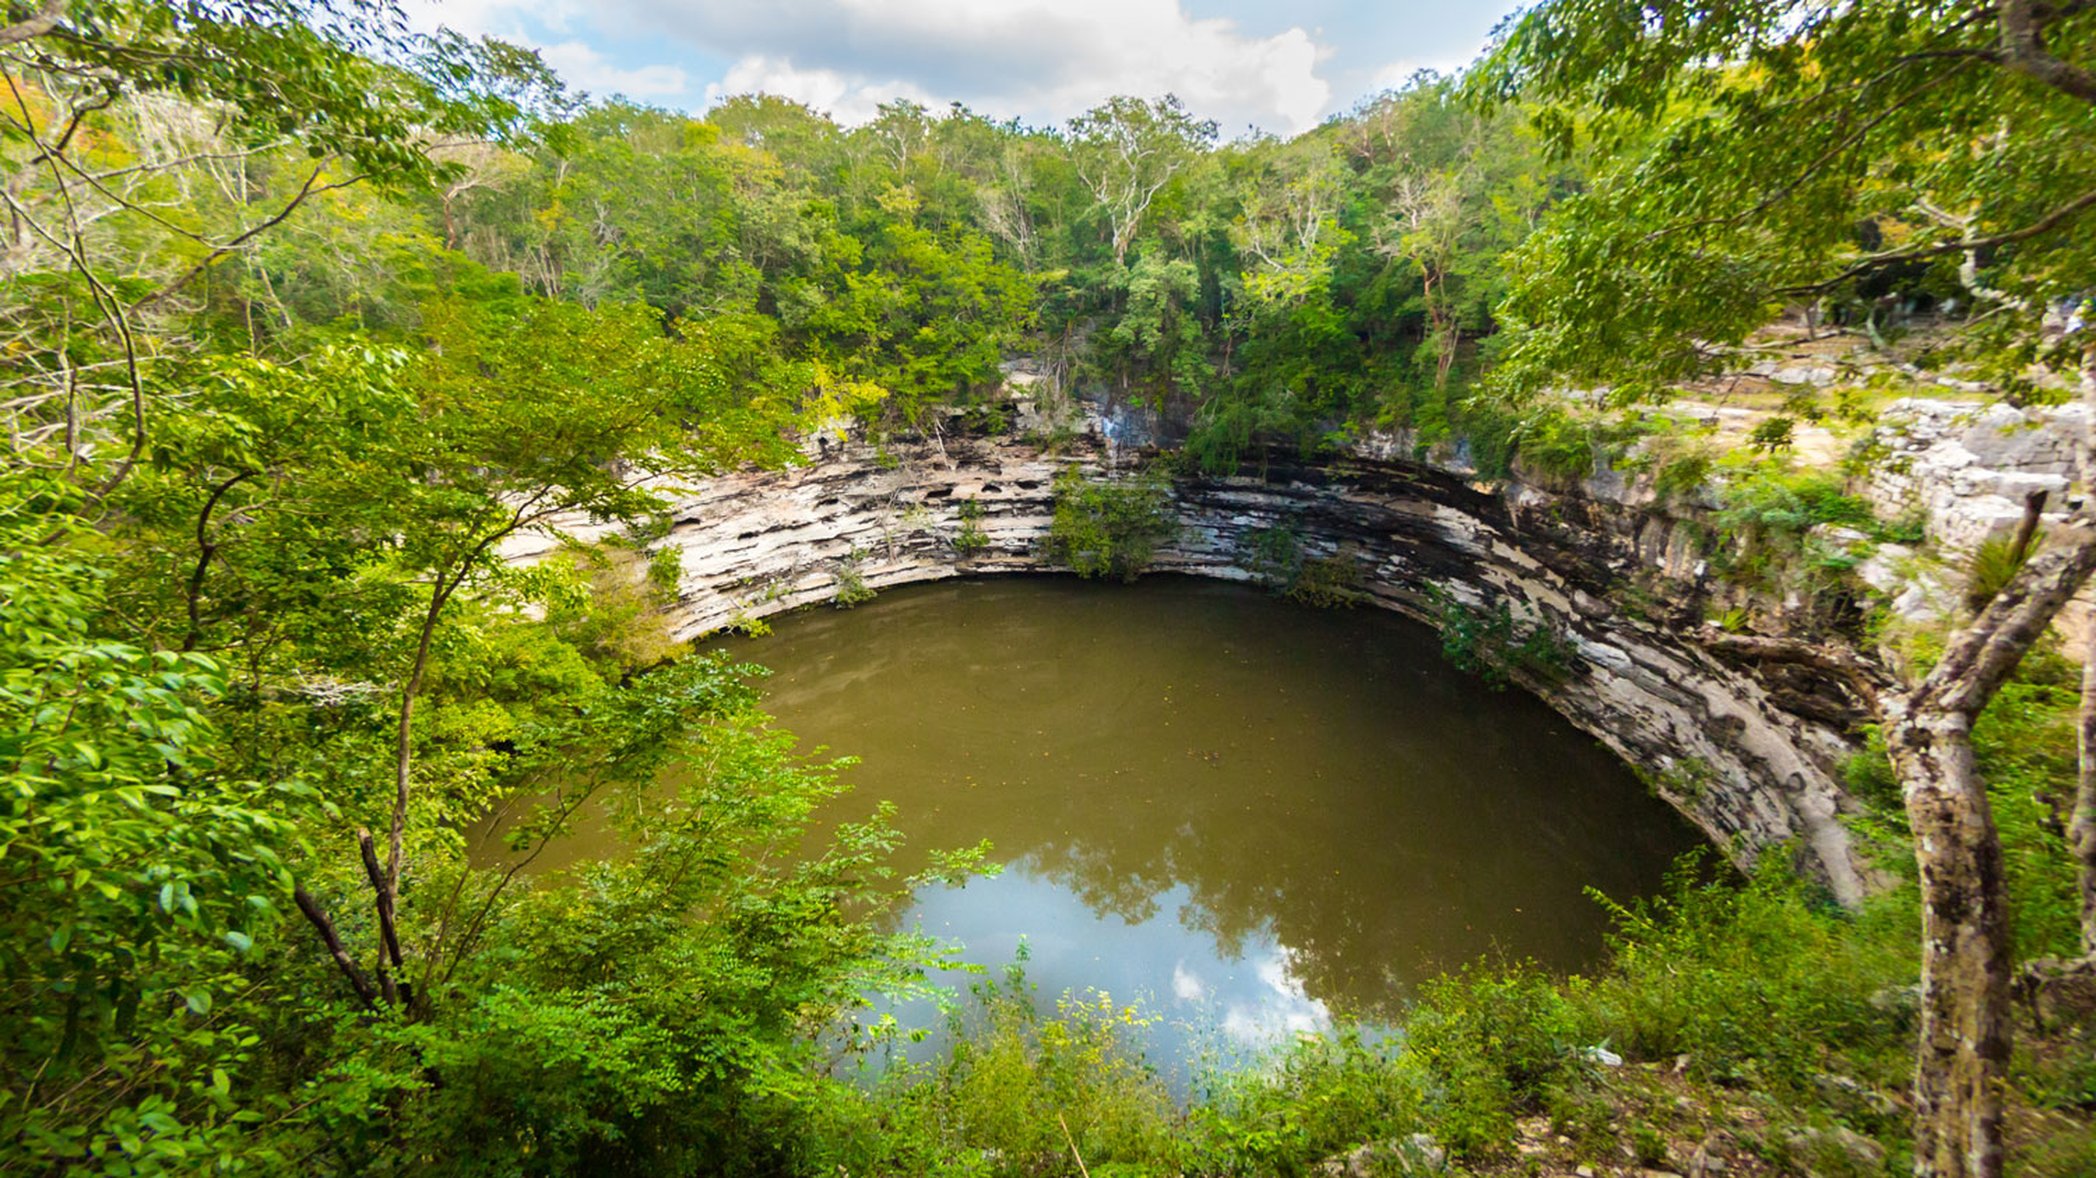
[
  {"x": 2081, "y": 829},
  {"x": 1962, "y": 1061},
  {"x": 1964, "y": 1049}
]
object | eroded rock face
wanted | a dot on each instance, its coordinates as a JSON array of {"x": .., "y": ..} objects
[
  {"x": 1755, "y": 762},
  {"x": 1970, "y": 465}
]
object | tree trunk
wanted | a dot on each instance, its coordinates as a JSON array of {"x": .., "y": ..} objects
[
  {"x": 1962, "y": 1061},
  {"x": 1964, "y": 1050},
  {"x": 2081, "y": 829}
]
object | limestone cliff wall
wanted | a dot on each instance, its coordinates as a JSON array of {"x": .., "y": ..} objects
[{"x": 1755, "y": 763}]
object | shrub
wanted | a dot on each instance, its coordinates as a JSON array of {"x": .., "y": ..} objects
[
  {"x": 1492, "y": 645},
  {"x": 1990, "y": 568},
  {"x": 1757, "y": 984},
  {"x": 1015, "y": 1080},
  {"x": 970, "y": 539},
  {"x": 1315, "y": 1097},
  {"x": 1328, "y": 582},
  {"x": 1274, "y": 557},
  {"x": 852, "y": 588},
  {"x": 1490, "y": 1040},
  {"x": 1109, "y": 528}
]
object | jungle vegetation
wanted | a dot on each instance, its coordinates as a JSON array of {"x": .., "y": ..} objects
[{"x": 303, "y": 316}]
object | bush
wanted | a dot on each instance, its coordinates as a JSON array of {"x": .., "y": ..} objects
[
  {"x": 1109, "y": 528},
  {"x": 970, "y": 539},
  {"x": 1758, "y": 984},
  {"x": 1015, "y": 1081},
  {"x": 1991, "y": 567},
  {"x": 1316, "y": 1097},
  {"x": 1274, "y": 557},
  {"x": 1489, "y": 1040},
  {"x": 852, "y": 588},
  {"x": 1493, "y": 646},
  {"x": 1328, "y": 582}
]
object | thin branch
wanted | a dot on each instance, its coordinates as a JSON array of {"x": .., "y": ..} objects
[
  {"x": 1865, "y": 265},
  {"x": 205, "y": 550},
  {"x": 310, "y": 188},
  {"x": 318, "y": 917},
  {"x": 384, "y": 902}
]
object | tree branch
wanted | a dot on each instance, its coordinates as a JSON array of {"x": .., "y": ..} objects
[
  {"x": 46, "y": 19},
  {"x": 384, "y": 902},
  {"x": 205, "y": 550},
  {"x": 1864, "y": 680},
  {"x": 308, "y": 189},
  {"x": 2037, "y": 228},
  {"x": 318, "y": 917},
  {"x": 2023, "y": 49}
]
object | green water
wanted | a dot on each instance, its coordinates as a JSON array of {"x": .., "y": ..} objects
[{"x": 1254, "y": 816}]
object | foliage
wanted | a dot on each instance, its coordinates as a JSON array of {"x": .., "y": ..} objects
[
  {"x": 1773, "y": 152},
  {"x": 970, "y": 539},
  {"x": 1110, "y": 527},
  {"x": 1016, "y": 1080},
  {"x": 1490, "y": 1039},
  {"x": 315, "y": 326},
  {"x": 141, "y": 870},
  {"x": 852, "y": 588},
  {"x": 1991, "y": 566},
  {"x": 1758, "y": 984},
  {"x": 1780, "y": 530},
  {"x": 1494, "y": 646},
  {"x": 122, "y": 114},
  {"x": 1273, "y": 555}
]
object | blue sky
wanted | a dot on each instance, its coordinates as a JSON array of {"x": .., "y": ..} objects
[{"x": 1279, "y": 67}]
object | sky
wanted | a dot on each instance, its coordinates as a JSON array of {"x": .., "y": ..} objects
[{"x": 1280, "y": 68}]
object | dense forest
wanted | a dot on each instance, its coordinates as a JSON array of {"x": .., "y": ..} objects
[{"x": 305, "y": 315}]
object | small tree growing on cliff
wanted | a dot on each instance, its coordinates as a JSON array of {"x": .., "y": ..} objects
[
  {"x": 1109, "y": 528},
  {"x": 1962, "y": 137}
]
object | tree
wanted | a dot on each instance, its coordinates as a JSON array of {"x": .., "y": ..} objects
[
  {"x": 111, "y": 114},
  {"x": 1127, "y": 150},
  {"x": 1756, "y": 138}
]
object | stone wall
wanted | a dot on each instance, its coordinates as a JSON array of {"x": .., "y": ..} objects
[{"x": 1754, "y": 762}]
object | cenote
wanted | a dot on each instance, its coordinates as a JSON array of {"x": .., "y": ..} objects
[{"x": 1248, "y": 816}]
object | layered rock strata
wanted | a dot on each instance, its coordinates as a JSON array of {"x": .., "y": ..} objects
[{"x": 1752, "y": 760}]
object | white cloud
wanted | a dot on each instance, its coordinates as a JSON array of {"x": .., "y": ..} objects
[
  {"x": 1394, "y": 75},
  {"x": 1043, "y": 60},
  {"x": 1186, "y": 985},
  {"x": 1285, "y": 1009},
  {"x": 584, "y": 68},
  {"x": 846, "y": 97}
]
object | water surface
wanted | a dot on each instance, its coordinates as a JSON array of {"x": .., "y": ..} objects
[{"x": 1253, "y": 816}]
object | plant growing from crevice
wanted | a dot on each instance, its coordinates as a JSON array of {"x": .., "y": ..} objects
[
  {"x": 1688, "y": 779},
  {"x": 1328, "y": 582},
  {"x": 852, "y": 588},
  {"x": 1110, "y": 528},
  {"x": 970, "y": 539},
  {"x": 1277, "y": 560},
  {"x": 1495, "y": 646},
  {"x": 1274, "y": 557}
]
